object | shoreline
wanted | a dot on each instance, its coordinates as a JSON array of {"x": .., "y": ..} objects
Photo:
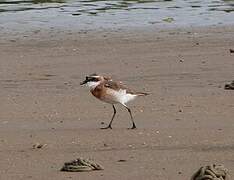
[{"x": 51, "y": 37}]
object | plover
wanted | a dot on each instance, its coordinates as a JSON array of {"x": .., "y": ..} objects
[{"x": 112, "y": 92}]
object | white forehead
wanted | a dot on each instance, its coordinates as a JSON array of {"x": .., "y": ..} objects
[{"x": 96, "y": 76}]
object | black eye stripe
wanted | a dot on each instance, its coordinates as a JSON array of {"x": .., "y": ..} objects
[
  {"x": 91, "y": 79},
  {"x": 94, "y": 79}
]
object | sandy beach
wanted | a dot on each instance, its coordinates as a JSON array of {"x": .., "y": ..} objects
[{"x": 186, "y": 121}]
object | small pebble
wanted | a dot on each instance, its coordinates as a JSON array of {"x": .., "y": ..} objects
[
  {"x": 38, "y": 146},
  {"x": 131, "y": 146}
]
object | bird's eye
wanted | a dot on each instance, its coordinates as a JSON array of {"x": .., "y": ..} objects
[{"x": 93, "y": 79}]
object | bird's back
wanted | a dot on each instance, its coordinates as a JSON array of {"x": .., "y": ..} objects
[{"x": 114, "y": 92}]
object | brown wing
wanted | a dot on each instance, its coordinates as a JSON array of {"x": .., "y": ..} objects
[
  {"x": 117, "y": 86},
  {"x": 112, "y": 84}
]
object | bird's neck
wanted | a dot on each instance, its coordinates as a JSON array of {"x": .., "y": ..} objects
[{"x": 93, "y": 85}]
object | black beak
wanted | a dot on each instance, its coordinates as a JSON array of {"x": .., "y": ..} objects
[{"x": 84, "y": 82}]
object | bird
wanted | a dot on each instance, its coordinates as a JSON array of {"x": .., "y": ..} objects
[{"x": 112, "y": 92}]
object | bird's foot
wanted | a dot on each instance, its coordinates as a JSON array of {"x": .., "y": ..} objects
[
  {"x": 108, "y": 127},
  {"x": 133, "y": 127}
]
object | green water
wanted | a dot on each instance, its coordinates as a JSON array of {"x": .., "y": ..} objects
[
  {"x": 101, "y": 6},
  {"x": 31, "y": 15}
]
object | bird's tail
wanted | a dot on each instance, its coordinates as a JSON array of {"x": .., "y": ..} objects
[{"x": 142, "y": 94}]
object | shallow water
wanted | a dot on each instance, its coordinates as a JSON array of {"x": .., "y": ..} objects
[{"x": 23, "y": 15}]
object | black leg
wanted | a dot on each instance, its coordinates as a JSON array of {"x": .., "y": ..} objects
[
  {"x": 109, "y": 126},
  {"x": 133, "y": 123}
]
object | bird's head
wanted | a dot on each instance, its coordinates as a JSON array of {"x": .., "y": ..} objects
[{"x": 92, "y": 80}]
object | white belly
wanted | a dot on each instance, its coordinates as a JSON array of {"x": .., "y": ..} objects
[{"x": 120, "y": 96}]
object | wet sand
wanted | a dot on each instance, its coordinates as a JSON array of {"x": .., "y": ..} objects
[{"x": 185, "y": 122}]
